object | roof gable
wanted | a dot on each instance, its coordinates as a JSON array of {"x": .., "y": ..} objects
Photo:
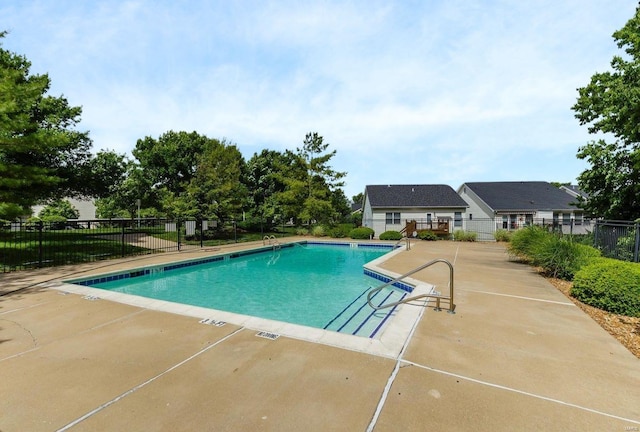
[
  {"x": 431, "y": 196},
  {"x": 537, "y": 195}
]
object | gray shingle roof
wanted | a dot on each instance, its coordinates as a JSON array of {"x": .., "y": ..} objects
[
  {"x": 413, "y": 196},
  {"x": 536, "y": 195}
]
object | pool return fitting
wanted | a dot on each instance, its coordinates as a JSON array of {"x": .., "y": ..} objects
[{"x": 438, "y": 296}]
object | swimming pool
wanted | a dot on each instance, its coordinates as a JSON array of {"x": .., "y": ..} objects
[{"x": 321, "y": 285}]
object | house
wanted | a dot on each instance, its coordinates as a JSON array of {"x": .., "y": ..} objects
[
  {"x": 86, "y": 208},
  {"x": 575, "y": 192},
  {"x": 512, "y": 205},
  {"x": 390, "y": 207}
]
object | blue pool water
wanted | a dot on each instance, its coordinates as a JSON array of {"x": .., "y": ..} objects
[{"x": 316, "y": 285}]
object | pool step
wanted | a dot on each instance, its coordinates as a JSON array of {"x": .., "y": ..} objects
[{"x": 360, "y": 319}]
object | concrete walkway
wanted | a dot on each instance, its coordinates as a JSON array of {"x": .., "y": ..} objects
[{"x": 517, "y": 355}]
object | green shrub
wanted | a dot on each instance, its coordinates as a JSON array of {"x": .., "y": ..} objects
[
  {"x": 302, "y": 231},
  {"x": 502, "y": 235},
  {"x": 390, "y": 235},
  {"x": 427, "y": 235},
  {"x": 461, "y": 235},
  {"x": 610, "y": 285},
  {"x": 560, "y": 257},
  {"x": 523, "y": 240},
  {"x": 361, "y": 233},
  {"x": 340, "y": 230},
  {"x": 318, "y": 231}
]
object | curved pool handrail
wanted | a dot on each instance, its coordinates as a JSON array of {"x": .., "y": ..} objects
[{"x": 438, "y": 297}]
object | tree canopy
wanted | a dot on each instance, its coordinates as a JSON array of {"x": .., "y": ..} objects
[
  {"x": 610, "y": 105},
  {"x": 42, "y": 155}
]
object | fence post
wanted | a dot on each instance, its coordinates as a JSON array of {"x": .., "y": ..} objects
[
  {"x": 122, "y": 250},
  {"x": 637, "y": 243},
  {"x": 178, "y": 231},
  {"x": 40, "y": 226},
  {"x": 595, "y": 234}
]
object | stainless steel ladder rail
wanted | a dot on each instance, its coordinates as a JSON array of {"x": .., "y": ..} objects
[
  {"x": 271, "y": 240},
  {"x": 405, "y": 238},
  {"x": 438, "y": 297}
]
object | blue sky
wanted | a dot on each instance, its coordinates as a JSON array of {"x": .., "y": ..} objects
[{"x": 407, "y": 92}]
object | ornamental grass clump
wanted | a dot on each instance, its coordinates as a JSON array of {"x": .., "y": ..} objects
[
  {"x": 523, "y": 241},
  {"x": 461, "y": 235},
  {"x": 560, "y": 257},
  {"x": 502, "y": 235}
]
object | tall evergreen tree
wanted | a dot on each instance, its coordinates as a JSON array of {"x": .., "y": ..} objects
[{"x": 42, "y": 155}]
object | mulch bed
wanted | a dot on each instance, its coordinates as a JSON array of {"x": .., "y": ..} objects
[{"x": 625, "y": 329}]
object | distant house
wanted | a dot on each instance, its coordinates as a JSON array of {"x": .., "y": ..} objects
[
  {"x": 575, "y": 191},
  {"x": 390, "y": 207},
  {"x": 86, "y": 208},
  {"x": 512, "y": 205}
]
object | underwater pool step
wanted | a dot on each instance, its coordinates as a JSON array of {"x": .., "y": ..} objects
[{"x": 360, "y": 319}]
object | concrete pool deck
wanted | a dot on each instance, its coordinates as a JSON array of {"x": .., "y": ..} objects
[{"x": 517, "y": 355}]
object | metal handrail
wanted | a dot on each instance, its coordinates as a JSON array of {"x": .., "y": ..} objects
[
  {"x": 438, "y": 297},
  {"x": 408, "y": 246},
  {"x": 271, "y": 240}
]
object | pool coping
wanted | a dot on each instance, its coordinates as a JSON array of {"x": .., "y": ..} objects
[{"x": 393, "y": 336}]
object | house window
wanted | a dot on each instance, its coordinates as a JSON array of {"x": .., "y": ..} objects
[
  {"x": 528, "y": 219},
  {"x": 578, "y": 218},
  {"x": 566, "y": 218},
  {"x": 392, "y": 218},
  {"x": 429, "y": 217},
  {"x": 457, "y": 219},
  {"x": 470, "y": 216},
  {"x": 505, "y": 223}
]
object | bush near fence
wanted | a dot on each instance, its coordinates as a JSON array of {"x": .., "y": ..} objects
[{"x": 610, "y": 285}]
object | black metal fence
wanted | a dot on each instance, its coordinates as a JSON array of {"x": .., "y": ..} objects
[
  {"x": 487, "y": 227},
  {"x": 39, "y": 244},
  {"x": 617, "y": 239}
]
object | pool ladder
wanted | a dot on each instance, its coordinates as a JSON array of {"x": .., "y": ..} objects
[
  {"x": 271, "y": 240},
  {"x": 437, "y": 296}
]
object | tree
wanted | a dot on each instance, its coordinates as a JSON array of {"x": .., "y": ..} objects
[
  {"x": 122, "y": 202},
  {"x": 216, "y": 189},
  {"x": 311, "y": 181},
  {"x": 610, "y": 105},
  {"x": 264, "y": 181},
  {"x": 42, "y": 155},
  {"x": 170, "y": 161},
  {"x": 358, "y": 198},
  {"x": 62, "y": 208},
  {"x": 106, "y": 172}
]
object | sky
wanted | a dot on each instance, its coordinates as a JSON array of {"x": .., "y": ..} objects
[{"x": 405, "y": 92}]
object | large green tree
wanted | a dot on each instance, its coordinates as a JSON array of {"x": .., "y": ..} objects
[
  {"x": 610, "y": 106},
  {"x": 42, "y": 155},
  {"x": 264, "y": 181},
  {"x": 216, "y": 190},
  {"x": 311, "y": 181}
]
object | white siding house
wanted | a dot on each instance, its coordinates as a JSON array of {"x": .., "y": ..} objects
[
  {"x": 512, "y": 205},
  {"x": 389, "y": 207}
]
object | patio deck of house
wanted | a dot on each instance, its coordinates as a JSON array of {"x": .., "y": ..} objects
[{"x": 517, "y": 355}]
